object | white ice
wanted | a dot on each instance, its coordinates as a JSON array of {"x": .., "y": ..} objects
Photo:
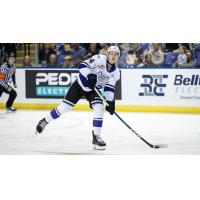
[{"x": 71, "y": 134}]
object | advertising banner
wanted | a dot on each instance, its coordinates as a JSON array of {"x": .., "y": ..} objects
[
  {"x": 174, "y": 87},
  {"x": 137, "y": 87},
  {"x": 53, "y": 84}
]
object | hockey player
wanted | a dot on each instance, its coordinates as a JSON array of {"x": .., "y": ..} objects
[
  {"x": 7, "y": 76},
  {"x": 99, "y": 71}
]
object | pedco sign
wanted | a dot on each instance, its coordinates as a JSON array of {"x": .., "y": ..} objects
[
  {"x": 53, "y": 83},
  {"x": 48, "y": 83}
]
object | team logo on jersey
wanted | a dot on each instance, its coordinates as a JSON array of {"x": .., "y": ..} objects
[
  {"x": 103, "y": 77},
  {"x": 101, "y": 66},
  {"x": 153, "y": 85}
]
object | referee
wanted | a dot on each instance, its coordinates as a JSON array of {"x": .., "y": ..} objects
[{"x": 7, "y": 76}]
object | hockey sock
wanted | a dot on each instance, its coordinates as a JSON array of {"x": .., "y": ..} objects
[
  {"x": 64, "y": 107},
  {"x": 98, "y": 118}
]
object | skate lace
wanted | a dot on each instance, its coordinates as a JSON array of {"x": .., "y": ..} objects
[
  {"x": 43, "y": 123},
  {"x": 99, "y": 139},
  {"x": 11, "y": 108}
]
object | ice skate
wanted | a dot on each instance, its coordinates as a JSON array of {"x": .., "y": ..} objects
[
  {"x": 40, "y": 126},
  {"x": 98, "y": 143},
  {"x": 11, "y": 110}
]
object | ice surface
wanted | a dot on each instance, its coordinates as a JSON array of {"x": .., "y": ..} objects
[{"x": 71, "y": 134}]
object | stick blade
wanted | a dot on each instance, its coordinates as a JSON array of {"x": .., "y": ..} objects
[{"x": 160, "y": 146}]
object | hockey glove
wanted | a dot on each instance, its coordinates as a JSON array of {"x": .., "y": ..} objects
[
  {"x": 92, "y": 80},
  {"x": 111, "y": 107}
]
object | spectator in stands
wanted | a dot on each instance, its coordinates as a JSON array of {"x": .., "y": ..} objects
[
  {"x": 62, "y": 51},
  {"x": 44, "y": 53},
  {"x": 68, "y": 62},
  {"x": 91, "y": 51},
  {"x": 196, "y": 54},
  {"x": 136, "y": 49},
  {"x": 148, "y": 60},
  {"x": 186, "y": 45},
  {"x": 182, "y": 58},
  {"x": 170, "y": 59},
  {"x": 129, "y": 55},
  {"x": 157, "y": 54},
  {"x": 189, "y": 57},
  {"x": 144, "y": 47},
  {"x": 124, "y": 46},
  {"x": 104, "y": 47},
  {"x": 78, "y": 61},
  {"x": 134, "y": 55},
  {"x": 139, "y": 62},
  {"x": 52, "y": 61},
  {"x": 78, "y": 52},
  {"x": 169, "y": 47},
  {"x": 189, "y": 62},
  {"x": 27, "y": 62}
]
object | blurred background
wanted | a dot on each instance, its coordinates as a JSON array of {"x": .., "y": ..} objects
[{"x": 133, "y": 55}]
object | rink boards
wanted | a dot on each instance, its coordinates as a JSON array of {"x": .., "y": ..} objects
[{"x": 139, "y": 90}]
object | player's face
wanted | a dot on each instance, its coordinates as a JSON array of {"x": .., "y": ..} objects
[{"x": 113, "y": 57}]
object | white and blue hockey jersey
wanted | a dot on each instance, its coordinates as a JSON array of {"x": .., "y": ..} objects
[
  {"x": 7, "y": 75},
  {"x": 106, "y": 78}
]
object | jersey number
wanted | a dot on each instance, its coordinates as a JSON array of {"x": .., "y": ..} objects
[{"x": 91, "y": 60}]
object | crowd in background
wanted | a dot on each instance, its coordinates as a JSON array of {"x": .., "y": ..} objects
[
  {"x": 133, "y": 55},
  {"x": 69, "y": 55}
]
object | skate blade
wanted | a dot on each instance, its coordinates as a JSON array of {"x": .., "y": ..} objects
[
  {"x": 96, "y": 147},
  {"x": 10, "y": 112},
  {"x": 37, "y": 133}
]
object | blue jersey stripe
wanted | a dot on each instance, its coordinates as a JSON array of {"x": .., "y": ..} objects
[
  {"x": 86, "y": 64},
  {"x": 84, "y": 80},
  {"x": 82, "y": 65},
  {"x": 110, "y": 85},
  {"x": 106, "y": 89}
]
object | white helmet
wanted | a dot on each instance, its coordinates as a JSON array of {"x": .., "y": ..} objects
[{"x": 114, "y": 48}]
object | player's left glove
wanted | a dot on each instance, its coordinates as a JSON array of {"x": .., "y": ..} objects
[
  {"x": 92, "y": 80},
  {"x": 111, "y": 107}
]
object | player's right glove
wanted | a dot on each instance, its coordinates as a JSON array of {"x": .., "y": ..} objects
[
  {"x": 111, "y": 107},
  {"x": 92, "y": 80}
]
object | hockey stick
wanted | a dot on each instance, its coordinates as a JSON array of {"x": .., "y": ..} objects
[{"x": 149, "y": 144}]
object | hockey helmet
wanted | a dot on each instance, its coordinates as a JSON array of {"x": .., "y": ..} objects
[{"x": 114, "y": 48}]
